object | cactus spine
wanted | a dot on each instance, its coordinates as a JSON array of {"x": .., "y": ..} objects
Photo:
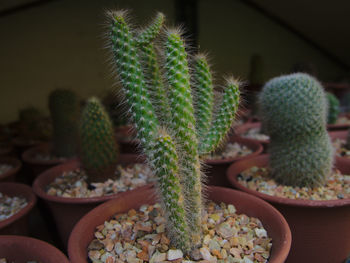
[
  {"x": 294, "y": 110},
  {"x": 175, "y": 157},
  {"x": 333, "y": 108},
  {"x": 64, "y": 109},
  {"x": 98, "y": 148}
]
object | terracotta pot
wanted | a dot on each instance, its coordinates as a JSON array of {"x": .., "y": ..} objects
[
  {"x": 320, "y": 229},
  {"x": 36, "y": 166},
  {"x": 23, "y": 249},
  {"x": 18, "y": 223},
  {"x": 10, "y": 175},
  {"x": 66, "y": 212},
  {"x": 7, "y": 150},
  {"x": 239, "y": 130},
  {"x": 340, "y": 126},
  {"x": 22, "y": 145},
  {"x": 215, "y": 170},
  {"x": 338, "y": 135},
  {"x": 124, "y": 135},
  {"x": 275, "y": 224}
]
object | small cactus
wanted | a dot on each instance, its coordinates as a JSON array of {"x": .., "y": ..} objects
[
  {"x": 64, "y": 110},
  {"x": 333, "y": 108},
  {"x": 98, "y": 147},
  {"x": 294, "y": 111},
  {"x": 166, "y": 104}
]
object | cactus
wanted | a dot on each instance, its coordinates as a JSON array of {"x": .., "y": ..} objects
[
  {"x": 294, "y": 110},
  {"x": 173, "y": 155},
  {"x": 64, "y": 110},
  {"x": 333, "y": 108},
  {"x": 98, "y": 147}
]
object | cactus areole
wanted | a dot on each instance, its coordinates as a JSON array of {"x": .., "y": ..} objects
[{"x": 172, "y": 111}]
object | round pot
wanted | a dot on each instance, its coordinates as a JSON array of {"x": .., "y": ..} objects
[
  {"x": 21, "y": 249},
  {"x": 320, "y": 229},
  {"x": 338, "y": 135},
  {"x": 6, "y": 150},
  {"x": 215, "y": 170},
  {"x": 10, "y": 175},
  {"x": 240, "y": 130},
  {"x": 18, "y": 223},
  {"x": 36, "y": 166},
  {"x": 272, "y": 220},
  {"x": 66, "y": 212},
  {"x": 22, "y": 144},
  {"x": 339, "y": 126},
  {"x": 124, "y": 136}
]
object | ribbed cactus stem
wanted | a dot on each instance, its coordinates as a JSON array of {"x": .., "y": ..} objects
[
  {"x": 223, "y": 118},
  {"x": 333, "y": 108},
  {"x": 98, "y": 147},
  {"x": 203, "y": 95},
  {"x": 167, "y": 173},
  {"x": 147, "y": 35},
  {"x": 177, "y": 74},
  {"x": 131, "y": 75}
]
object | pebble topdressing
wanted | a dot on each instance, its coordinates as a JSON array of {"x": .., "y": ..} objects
[{"x": 10, "y": 205}]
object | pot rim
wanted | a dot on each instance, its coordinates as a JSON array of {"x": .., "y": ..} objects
[
  {"x": 255, "y": 146},
  {"x": 27, "y": 156},
  {"x": 234, "y": 170},
  {"x": 21, "y": 190},
  {"x": 79, "y": 228},
  {"x": 17, "y": 165},
  {"x": 240, "y": 129},
  {"x": 38, "y": 184},
  {"x": 37, "y": 243}
]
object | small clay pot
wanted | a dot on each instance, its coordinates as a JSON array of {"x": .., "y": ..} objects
[
  {"x": 125, "y": 137},
  {"x": 215, "y": 170},
  {"x": 21, "y": 249},
  {"x": 36, "y": 166},
  {"x": 7, "y": 150},
  {"x": 66, "y": 212},
  {"x": 340, "y": 126},
  {"x": 18, "y": 223},
  {"x": 338, "y": 135},
  {"x": 10, "y": 175},
  {"x": 21, "y": 145},
  {"x": 320, "y": 229},
  {"x": 276, "y": 226},
  {"x": 240, "y": 130}
]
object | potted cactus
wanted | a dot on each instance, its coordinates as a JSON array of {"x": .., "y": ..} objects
[
  {"x": 64, "y": 111},
  {"x": 173, "y": 135},
  {"x": 73, "y": 188},
  {"x": 297, "y": 176}
]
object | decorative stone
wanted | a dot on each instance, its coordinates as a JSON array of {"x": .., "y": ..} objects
[
  {"x": 174, "y": 254},
  {"x": 158, "y": 257}
]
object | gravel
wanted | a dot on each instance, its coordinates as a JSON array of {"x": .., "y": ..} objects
[{"x": 10, "y": 205}]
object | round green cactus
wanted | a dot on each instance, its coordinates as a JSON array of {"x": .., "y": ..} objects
[
  {"x": 333, "y": 108},
  {"x": 294, "y": 111},
  {"x": 98, "y": 147},
  {"x": 64, "y": 109}
]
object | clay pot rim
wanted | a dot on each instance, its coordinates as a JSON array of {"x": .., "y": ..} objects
[
  {"x": 255, "y": 146},
  {"x": 27, "y": 156},
  {"x": 17, "y": 164},
  {"x": 79, "y": 227},
  {"x": 21, "y": 190},
  {"x": 232, "y": 177},
  {"x": 55, "y": 252},
  {"x": 40, "y": 192},
  {"x": 240, "y": 129},
  {"x": 17, "y": 143}
]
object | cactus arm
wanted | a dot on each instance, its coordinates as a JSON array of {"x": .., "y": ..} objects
[
  {"x": 98, "y": 147},
  {"x": 203, "y": 93},
  {"x": 147, "y": 35},
  {"x": 333, "y": 108},
  {"x": 223, "y": 119},
  {"x": 134, "y": 86},
  {"x": 166, "y": 163},
  {"x": 177, "y": 74}
]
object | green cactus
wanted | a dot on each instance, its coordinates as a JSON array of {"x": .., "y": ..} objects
[
  {"x": 333, "y": 108},
  {"x": 98, "y": 147},
  {"x": 64, "y": 110},
  {"x": 174, "y": 156},
  {"x": 294, "y": 110}
]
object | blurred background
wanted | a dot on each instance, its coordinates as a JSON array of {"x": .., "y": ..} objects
[{"x": 49, "y": 44}]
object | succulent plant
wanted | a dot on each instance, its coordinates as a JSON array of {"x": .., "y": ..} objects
[
  {"x": 333, "y": 108},
  {"x": 174, "y": 131},
  {"x": 98, "y": 147},
  {"x": 64, "y": 110},
  {"x": 294, "y": 110}
]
